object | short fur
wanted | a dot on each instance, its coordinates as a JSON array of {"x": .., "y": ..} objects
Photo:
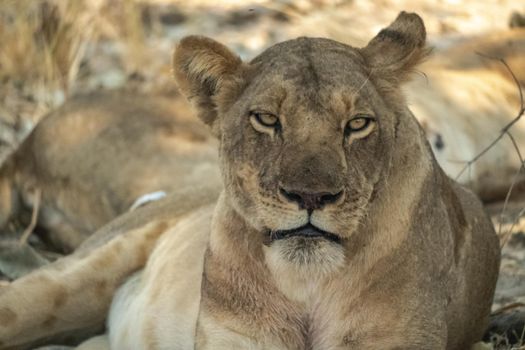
[
  {"x": 95, "y": 155},
  {"x": 463, "y": 100},
  {"x": 417, "y": 261}
]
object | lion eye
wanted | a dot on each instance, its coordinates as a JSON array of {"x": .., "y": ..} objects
[
  {"x": 266, "y": 119},
  {"x": 358, "y": 123},
  {"x": 265, "y": 122}
]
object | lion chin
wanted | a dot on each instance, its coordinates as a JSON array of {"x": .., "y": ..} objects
[{"x": 304, "y": 250}]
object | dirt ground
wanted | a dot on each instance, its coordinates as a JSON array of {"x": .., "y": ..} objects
[{"x": 93, "y": 45}]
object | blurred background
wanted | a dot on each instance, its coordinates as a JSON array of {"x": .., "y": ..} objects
[{"x": 51, "y": 50}]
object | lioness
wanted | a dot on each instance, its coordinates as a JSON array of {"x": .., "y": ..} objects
[
  {"x": 96, "y": 155},
  {"x": 336, "y": 228}
]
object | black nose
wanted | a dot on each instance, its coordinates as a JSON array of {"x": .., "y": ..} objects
[{"x": 310, "y": 201}]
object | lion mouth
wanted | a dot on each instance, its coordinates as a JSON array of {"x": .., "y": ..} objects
[{"x": 306, "y": 231}]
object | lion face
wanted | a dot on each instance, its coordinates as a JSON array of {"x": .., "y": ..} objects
[
  {"x": 302, "y": 146},
  {"x": 307, "y": 130}
]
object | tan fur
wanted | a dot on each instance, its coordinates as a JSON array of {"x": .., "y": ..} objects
[
  {"x": 463, "y": 100},
  {"x": 465, "y": 129},
  {"x": 44, "y": 305},
  {"x": 413, "y": 259},
  {"x": 96, "y": 343},
  {"x": 470, "y": 54},
  {"x": 94, "y": 156}
]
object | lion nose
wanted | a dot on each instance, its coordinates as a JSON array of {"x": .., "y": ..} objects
[{"x": 310, "y": 201}]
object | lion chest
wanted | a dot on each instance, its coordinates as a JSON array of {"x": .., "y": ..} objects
[
  {"x": 222, "y": 330},
  {"x": 248, "y": 313},
  {"x": 322, "y": 329},
  {"x": 252, "y": 314}
]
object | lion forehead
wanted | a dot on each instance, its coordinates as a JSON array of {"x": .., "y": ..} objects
[
  {"x": 308, "y": 76},
  {"x": 310, "y": 62}
]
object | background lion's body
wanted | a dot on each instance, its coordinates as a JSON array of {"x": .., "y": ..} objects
[
  {"x": 463, "y": 97},
  {"x": 96, "y": 155}
]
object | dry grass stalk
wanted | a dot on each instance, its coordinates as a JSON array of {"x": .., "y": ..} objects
[
  {"x": 43, "y": 42},
  {"x": 34, "y": 217}
]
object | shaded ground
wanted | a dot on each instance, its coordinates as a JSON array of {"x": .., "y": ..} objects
[
  {"x": 509, "y": 301},
  {"x": 511, "y": 227}
]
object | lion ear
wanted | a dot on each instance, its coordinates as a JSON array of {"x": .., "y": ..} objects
[
  {"x": 397, "y": 49},
  {"x": 205, "y": 72}
]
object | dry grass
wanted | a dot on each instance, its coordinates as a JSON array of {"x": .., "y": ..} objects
[
  {"x": 43, "y": 46},
  {"x": 44, "y": 41}
]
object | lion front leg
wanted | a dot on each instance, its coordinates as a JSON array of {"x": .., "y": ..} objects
[{"x": 70, "y": 298}]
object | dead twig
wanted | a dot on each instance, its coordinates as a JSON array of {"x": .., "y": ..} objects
[
  {"x": 34, "y": 216},
  {"x": 507, "y": 308}
]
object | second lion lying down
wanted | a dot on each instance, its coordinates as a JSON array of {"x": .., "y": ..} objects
[{"x": 336, "y": 228}]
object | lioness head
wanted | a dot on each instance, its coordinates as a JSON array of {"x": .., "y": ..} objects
[{"x": 308, "y": 130}]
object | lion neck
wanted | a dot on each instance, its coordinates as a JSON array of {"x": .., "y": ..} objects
[{"x": 231, "y": 235}]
